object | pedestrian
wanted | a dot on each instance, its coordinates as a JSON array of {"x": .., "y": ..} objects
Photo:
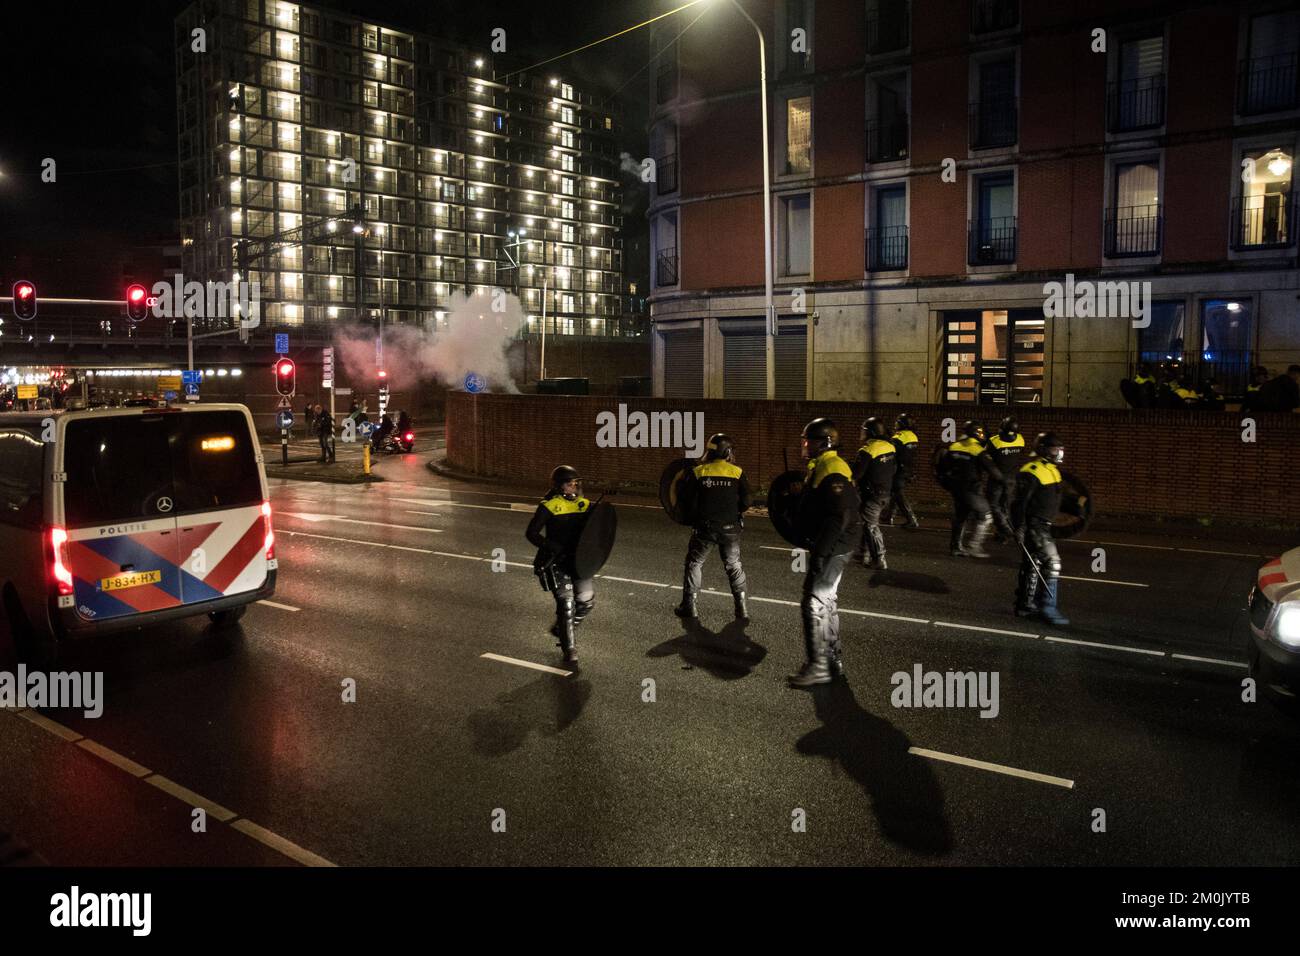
[
  {"x": 1038, "y": 499},
  {"x": 1008, "y": 450},
  {"x": 828, "y": 516},
  {"x": 308, "y": 430},
  {"x": 325, "y": 434},
  {"x": 715, "y": 496},
  {"x": 1281, "y": 394},
  {"x": 554, "y": 530},
  {"x": 874, "y": 471},
  {"x": 962, "y": 469},
  {"x": 905, "y": 442}
]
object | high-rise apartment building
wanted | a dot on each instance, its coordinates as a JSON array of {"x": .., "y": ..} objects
[{"x": 353, "y": 169}]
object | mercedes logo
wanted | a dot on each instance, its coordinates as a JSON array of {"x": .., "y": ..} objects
[{"x": 164, "y": 504}]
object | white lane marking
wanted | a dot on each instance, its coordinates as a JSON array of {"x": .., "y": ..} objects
[
  {"x": 185, "y": 795},
  {"x": 892, "y": 617},
  {"x": 519, "y": 506},
  {"x": 529, "y": 664},
  {"x": 277, "y": 604},
  {"x": 1229, "y": 554},
  {"x": 466, "y": 504},
  {"x": 989, "y": 630},
  {"x": 772, "y": 547},
  {"x": 1127, "y": 584},
  {"x": 373, "y": 544},
  {"x": 652, "y": 584},
  {"x": 113, "y": 757},
  {"x": 278, "y": 843},
  {"x": 995, "y": 767},
  {"x": 1113, "y": 647},
  {"x": 309, "y": 516},
  {"x": 1161, "y": 547},
  {"x": 1210, "y": 660},
  {"x": 53, "y": 726}
]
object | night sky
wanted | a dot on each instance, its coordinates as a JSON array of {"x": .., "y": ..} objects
[{"x": 93, "y": 86}]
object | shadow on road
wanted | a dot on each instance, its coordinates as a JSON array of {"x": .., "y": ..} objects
[
  {"x": 905, "y": 795},
  {"x": 910, "y": 581},
  {"x": 728, "y": 654},
  {"x": 547, "y": 706}
]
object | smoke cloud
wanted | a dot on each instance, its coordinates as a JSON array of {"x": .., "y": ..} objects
[{"x": 476, "y": 333}]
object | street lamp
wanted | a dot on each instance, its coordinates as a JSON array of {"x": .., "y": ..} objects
[{"x": 769, "y": 307}]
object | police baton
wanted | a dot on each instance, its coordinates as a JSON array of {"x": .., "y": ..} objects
[{"x": 1033, "y": 564}]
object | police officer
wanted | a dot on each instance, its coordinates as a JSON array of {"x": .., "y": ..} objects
[
  {"x": 962, "y": 469},
  {"x": 1008, "y": 450},
  {"x": 905, "y": 442},
  {"x": 1038, "y": 499},
  {"x": 562, "y": 515},
  {"x": 828, "y": 517},
  {"x": 716, "y": 496},
  {"x": 874, "y": 471}
]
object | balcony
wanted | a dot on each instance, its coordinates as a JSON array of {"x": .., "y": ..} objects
[
  {"x": 886, "y": 248},
  {"x": 1135, "y": 104},
  {"x": 992, "y": 241},
  {"x": 666, "y": 174},
  {"x": 1263, "y": 222},
  {"x": 1267, "y": 84},
  {"x": 887, "y": 140},
  {"x": 990, "y": 16},
  {"x": 666, "y": 268},
  {"x": 1134, "y": 231},
  {"x": 993, "y": 123},
  {"x": 888, "y": 27}
]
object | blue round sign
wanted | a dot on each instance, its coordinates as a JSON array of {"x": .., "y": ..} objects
[
  {"x": 284, "y": 419},
  {"x": 474, "y": 382}
]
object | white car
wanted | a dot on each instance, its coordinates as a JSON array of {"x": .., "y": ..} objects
[{"x": 1274, "y": 608}]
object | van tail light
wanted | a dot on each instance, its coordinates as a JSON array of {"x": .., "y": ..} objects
[
  {"x": 59, "y": 560},
  {"x": 409, "y": 436},
  {"x": 270, "y": 531}
]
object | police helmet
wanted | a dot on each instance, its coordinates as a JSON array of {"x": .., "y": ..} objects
[
  {"x": 820, "y": 434},
  {"x": 972, "y": 429},
  {"x": 1009, "y": 427},
  {"x": 1048, "y": 447},
  {"x": 903, "y": 423},
  {"x": 873, "y": 427},
  {"x": 562, "y": 475},
  {"x": 719, "y": 447}
]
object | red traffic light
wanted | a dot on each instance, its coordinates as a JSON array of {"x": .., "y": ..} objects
[
  {"x": 24, "y": 300},
  {"x": 383, "y": 374},
  {"x": 137, "y": 303},
  {"x": 285, "y": 368},
  {"x": 285, "y": 376}
]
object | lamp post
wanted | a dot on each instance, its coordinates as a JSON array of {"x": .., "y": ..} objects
[{"x": 769, "y": 324}]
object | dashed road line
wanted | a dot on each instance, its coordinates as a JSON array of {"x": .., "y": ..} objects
[
  {"x": 650, "y": 584},
  {"x": 312, "y": 516},
  {"x": 1165, "y": 547},
  {"x": 1211, "y": 660},
  {"x": 1094, "y": 580},
  {"x": 1110, "y": 647},
  {"x": 113, "y": 757},
  {"x": 373, "y": 544},
  {"x": 988, "y": 630},
  {"x": 529, "y": 664},
  {"x": 278, "y": 843},
  {"x": 277, "y": 604},
  {"x": 54, "y": 727},
  {"x": 185, "y": 795},
  {"x": 994, "y": 767}
]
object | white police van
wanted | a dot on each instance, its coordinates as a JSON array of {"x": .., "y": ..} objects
[{"x": 117, "y": 518}]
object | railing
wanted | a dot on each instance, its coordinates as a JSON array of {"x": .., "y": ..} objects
[
  {"x": 1136, "y": 104},
  {"x": 666, "y": 267},
  {"x": 992, "y": 241},
  {"x": 1264, "y": 221},
  {"x": 886, "y": 140},
  {"x": 666, "y": 174},
  {"x": 889, "y": 27},
  {"x": 993, "y": 123},
  {"x": 988, "y": 16},
  {"x": 1267, "y": 84},
  {"x": 1134, "y": 231},
  {"x": 886, "y": 248}
]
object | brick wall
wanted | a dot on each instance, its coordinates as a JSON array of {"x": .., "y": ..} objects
[{"x": 1153, "y": 464}]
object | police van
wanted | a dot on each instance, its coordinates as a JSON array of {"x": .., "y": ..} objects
[{"x": 115, "y": 518}]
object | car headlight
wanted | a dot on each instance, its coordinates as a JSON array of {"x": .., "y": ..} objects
[{"x": 1286, "y": 628}]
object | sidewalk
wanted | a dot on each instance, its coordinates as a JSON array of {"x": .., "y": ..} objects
[{"x": 347, "y": 467}]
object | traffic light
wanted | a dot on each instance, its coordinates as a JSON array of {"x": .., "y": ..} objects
[
  {"x": 137, "y": 303},
  {"x": 286, "y": 375},
  {"x": 24, "y": 300}
]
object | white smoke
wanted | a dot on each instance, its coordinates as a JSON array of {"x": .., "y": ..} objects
[{"x": 474, "y": 337}]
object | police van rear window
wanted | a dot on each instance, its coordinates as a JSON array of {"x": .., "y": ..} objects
[{"x": 118, "y": 466}]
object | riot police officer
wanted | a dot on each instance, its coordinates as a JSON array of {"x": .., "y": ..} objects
[
  {"x": 562, "y": 515},
  {"x": 962, "y": 469},
  {"x": 1038, "y": 499},
  {"x": 874, "y": 470},
  {"x": 1008, "y": 450},
  {"x": 716, "y": 496},
  {"x": 828, "y": 518},
  {"x": 905, "y": 442}
]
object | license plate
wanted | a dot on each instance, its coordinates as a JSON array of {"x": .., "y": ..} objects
[{"x": 131, "y": 580}]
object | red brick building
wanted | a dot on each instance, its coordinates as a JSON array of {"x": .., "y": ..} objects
[{"x": 975, "y": 200}]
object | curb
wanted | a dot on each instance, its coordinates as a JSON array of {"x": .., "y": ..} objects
[{"x": 323, "y": 478}]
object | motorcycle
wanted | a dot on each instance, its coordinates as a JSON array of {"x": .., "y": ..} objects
[{"x": 398, "y": 443}]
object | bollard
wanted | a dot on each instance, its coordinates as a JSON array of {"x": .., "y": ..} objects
[
  {"x": 365, "y": 458},
  {"x": 284, "y": 446}
]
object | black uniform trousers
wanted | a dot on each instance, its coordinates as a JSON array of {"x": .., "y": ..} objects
[{"x": 702, "y": 540}]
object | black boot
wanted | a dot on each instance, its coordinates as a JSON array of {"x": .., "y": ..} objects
[
  {"x": 687, "y": 610},
  {"x": 973, "y": 533},
  {"x": 1026, "y": 588},
  {"x": 569, "y": 643},
  {"x": 742, "y": 609},
  {"x": 817, "y": 669},
  {"x": 1047, "y": 604}
]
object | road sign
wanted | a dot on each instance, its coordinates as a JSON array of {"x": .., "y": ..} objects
[
  {"x": 474, "y": 382},
  {"x": 27, "y": 391},
  {"x": 169, "y": 383},
  {"x": 284, "y": 419},
  {"x": 169, "y": 396},
  {"x": 281, "y": 343},
  {"x": 342, "y": 391},
  {"x": 192, "y": 377},
  {"x": 284, "y": 402},
  {"x": 327, "y": 383}
]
